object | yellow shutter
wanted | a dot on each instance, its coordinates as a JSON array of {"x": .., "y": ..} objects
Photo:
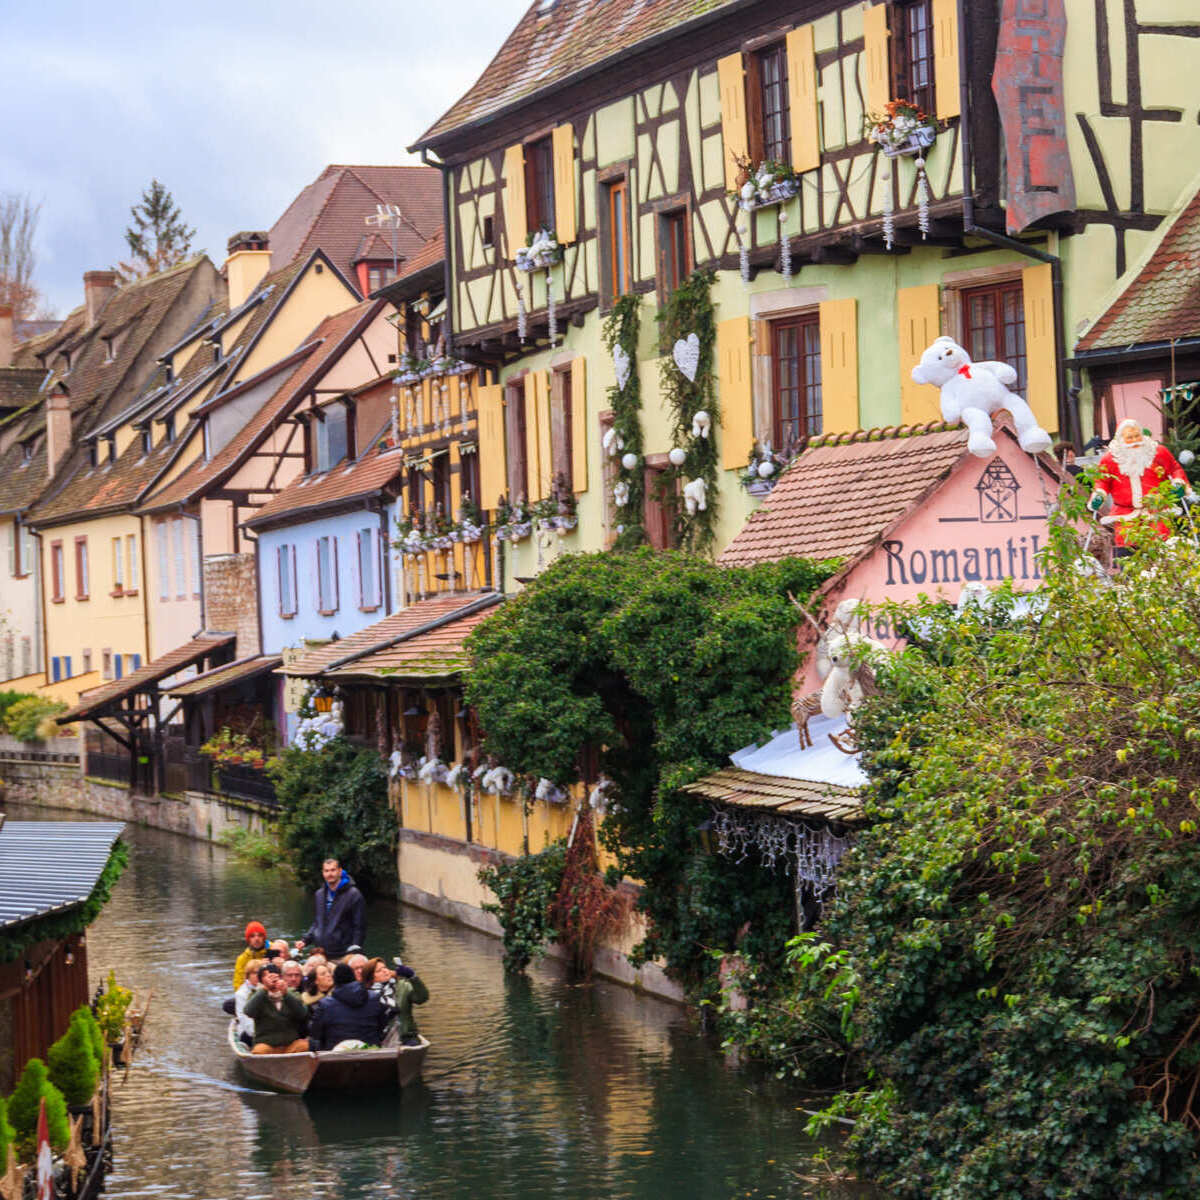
[
  {"x": 564, "y": 183},
  {"x": 839, "y": 365},
  {"x": 1041, "y": 359},
  {"x": 945, "y": 58},
  {"x": 877, "y": 74},
  {"x": 579, "y": 425},
  {"x": 802, "y": 99},
  {"x": 736, "y": 393},
  {"x": 919, "y": 317},
  {"x": 514, "y": 199},
  {"x": 493, "y": 471},
  {"x": 532, "y": 471},
  {"x": 545, "y": 443},
  {"x": 732, "y": 84}
]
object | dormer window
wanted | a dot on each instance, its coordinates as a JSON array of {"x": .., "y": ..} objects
[
  {"x": 66, "y": 361},
  {"x": 110, "y": 349},
  {"x": 169, "y": 427},
  {"x": 331, "y": 435},
  {"x": 147, "y": 439},
  {"x": 379, "y": 275},
  {"x": 112, "y": 448},
  {"x": 93, "y": 451},
  {"x": 27, "y": 449}
]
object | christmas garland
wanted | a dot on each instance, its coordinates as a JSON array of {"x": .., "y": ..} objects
[
  {"x": 693, "y": 401},
  {"x": 624, "y": 441}
]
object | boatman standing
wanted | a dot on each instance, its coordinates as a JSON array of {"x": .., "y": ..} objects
[{"x": 340, "y": 913}]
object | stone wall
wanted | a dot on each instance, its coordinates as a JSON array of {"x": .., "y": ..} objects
[{"x": 231, "y": 599}]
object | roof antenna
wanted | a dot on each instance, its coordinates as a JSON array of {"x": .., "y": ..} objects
[{"x": 388, "y": 216}]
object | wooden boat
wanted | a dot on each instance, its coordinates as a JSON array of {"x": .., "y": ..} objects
[{"x": 389, "y": 1066}]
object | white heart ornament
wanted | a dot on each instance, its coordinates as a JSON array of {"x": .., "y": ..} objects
[
  {"x": 686, "y": 353},
  {"x": 621, "y": 366}
]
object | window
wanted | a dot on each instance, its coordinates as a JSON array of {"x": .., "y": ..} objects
[
  {"x": 993, "y": 322},
  {"x": 111, "y": 440},
  {"x": 368, "y": 569},
  {"x": 26, "y": 656},
  {"x": 327, "y": 589},
  {"x": 468, "y": 466},
  {"x": 674, "y": 250},
  {"x": 180, "y": 562},
  {"x": 55, "y": 668},
  {"x": 93, "y": 453},
  {"x": 285, "y": 569},
  {"x": 131, "y": 553},
  {"x": 539, "y": 185},
  {"x": 118, "y": 666},
  {"x": 82, "y": 582},
  {"x": 135, "y": 661},
  {"x": 118, "y": 567},
  {"x": 443, "y": 497},
  {"x": 169, "y": 428},
  {"x": 771, "y": 131},
  {"x": 379, "y": 276},
  {"x": 197, "y": 558},
  {"x": 106, "y": 664},
  {"x": 416, "y": 502},
  {"x": 562, "y": 456},
  {"x": 57, "y": 582},
  {"x": 912, "y": 53},
  {"x": 795, "y": 380},
  {"x": 147, "y": 439},
  {"x": 489, "y": 232},
  {"x": 333, "y": 435},
  {"x": 25, "y": 551},
  {"x": 658, "y": 509},
  {"x": 616, "y": 209},
  {"x": 517, "y": 472},
  {"x": 67, "y": 672},
  {"x": 412, "y": 330},
  {"x": 87, "y": 661},
  {"x": 164, "y": 570}
]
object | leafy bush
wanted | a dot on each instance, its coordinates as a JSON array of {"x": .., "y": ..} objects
[
  {"x": 335, "y": 804},
  {"x": 86, "y": 1019},
  {"x": 8, "y": 699},
  {"x": 525, "y": 888},
  {"x": 111, "y": 1007},
  {"x": 7, "y": 1134},
  {"x": 257, "y": 849},
  {"x": 23, "y": 1105},
  {"x": 24, "y": 717},
  {"x": 72, "y": 1063}
]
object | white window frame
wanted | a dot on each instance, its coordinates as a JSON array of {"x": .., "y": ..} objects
[
  {"x": 330, "y": 556},
  {"x": 179, "y": 559},
  {"x": 118, "y": 565},
  {"x": 131, "y": 552},
  {"x": 370, "y": 589},
  {"x": 285, "y": 580}
]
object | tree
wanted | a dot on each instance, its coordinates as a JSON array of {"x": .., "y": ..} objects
[
  {"x": 158, "y": 237},
  {"x": 18, "y": 225}
]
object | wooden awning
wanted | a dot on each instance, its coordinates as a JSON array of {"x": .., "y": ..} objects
[{"x": 780, "y": 796}]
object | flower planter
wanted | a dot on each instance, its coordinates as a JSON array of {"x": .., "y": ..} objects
[
  {"x": 916, "y": 142},
  {"x": 777, "y": 193},
  {"x": 760, "y": 487}
]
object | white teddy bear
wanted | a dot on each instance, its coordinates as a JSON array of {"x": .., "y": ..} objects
[{"x": 973, "y": 392}]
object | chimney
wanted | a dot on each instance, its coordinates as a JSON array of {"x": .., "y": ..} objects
[
  {"x": 248, "y": 262},
  {"x": 58, "y": 431},
  {"x": 98, "y": 286},
  {"x": 6, "y": 335}
]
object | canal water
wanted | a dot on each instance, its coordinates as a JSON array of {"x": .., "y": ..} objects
[{"x": 532, "y": 1086}]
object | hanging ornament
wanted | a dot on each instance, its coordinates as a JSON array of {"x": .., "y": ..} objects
[
  {"x": 551, "y": 313},
  {"x": 785, "y": 253},
  {"x": 621, "y": 494},
  {"x": 686, "y": 353},
  {"x": 395, "y": 419},
  {"x": 922, "y": 197},
  {"x": 677, "y": 457},
  {"x": 521, "y": 314},
  {"x": 621, "y": 366},
  {"x": 889, "y": 216},
  {"x": 743, "y": 232},
  {"x": 629, "y": 461}
]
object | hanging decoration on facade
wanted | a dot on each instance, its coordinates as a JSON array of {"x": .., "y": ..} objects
[
  {"x": 902, "y": 129},
  {"x": 771, "y": 182},
  {"x": 973, "y": 392},
  {"x": 420, "y": 532},
  {"x": 540, "y": 253},
  {"x": 495, "y": 779},
  {"x": 763, "y": 467},
  {"x": 549, "y": 792},
  {"x": 622, "y": 441},
  {"x": 688, "y": 325},
  {"x": 743, "y": 239},
  {"x": 621, "y": 366},
  {"x": 785, "y": 251}
]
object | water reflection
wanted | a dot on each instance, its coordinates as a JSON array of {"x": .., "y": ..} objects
[{"x": 532, "y": 1086}]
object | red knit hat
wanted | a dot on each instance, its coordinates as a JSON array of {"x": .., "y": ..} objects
[{"x": 255, "y": 927}]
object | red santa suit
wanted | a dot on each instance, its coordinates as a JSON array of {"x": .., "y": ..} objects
[{"x": 1128, "y": 491}]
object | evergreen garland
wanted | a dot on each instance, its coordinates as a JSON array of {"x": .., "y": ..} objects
[
  {"x": 621, "y": 329},
  {"x": 690, "y": 310}
]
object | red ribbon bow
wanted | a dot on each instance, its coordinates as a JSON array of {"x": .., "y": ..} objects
[{"x": 965, "y": 369}]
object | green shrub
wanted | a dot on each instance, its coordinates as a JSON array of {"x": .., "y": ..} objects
[
  {"x": 33, "y": 1085},
  {"x": 257, "y": 849},
  {"x": 7, "y": 1134},
  {"x": 8, "y": 699},
  {"x": 23, "y": 718},
  {"x": 86, "y": 1019},
  {"x": 524, "y": 889},
  {"x": 72, "y": 1062},
  {"x": 111, "y": 1007}
]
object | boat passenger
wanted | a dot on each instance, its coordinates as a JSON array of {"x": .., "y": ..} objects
[
  {"x": 356, "y": 962},
  {"x": 399, "y": 990},
  {"x": 245, "y": 1025},
  {"x": 293, "y": 974},
  {"x": 256, "y": 939},
  {"x": 339, "y": 913},
  {"x": 278, "y": 1014},
  {"x": 349, "y": 1012},
  {"x": 322, "y": 985},
  {"x": 278, "y": 951}
]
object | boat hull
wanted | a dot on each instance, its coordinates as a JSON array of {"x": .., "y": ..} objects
[{"x": 390, "y": 1066}]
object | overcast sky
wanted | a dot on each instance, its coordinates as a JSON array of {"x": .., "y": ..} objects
[{"x": 234, "y": 106}]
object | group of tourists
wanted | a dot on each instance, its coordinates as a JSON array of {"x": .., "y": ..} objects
[{"x": 337, "y": 997}]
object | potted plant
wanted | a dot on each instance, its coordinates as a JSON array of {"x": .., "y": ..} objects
[
  {"x": 541, "y": 250},
  {"x": 111, "y": 1006},
  {"x": 902, "y": 128},
  {"x": 770, "y": 182}
]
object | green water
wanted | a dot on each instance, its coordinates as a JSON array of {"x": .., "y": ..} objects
[{"x": 532, "y": 1087}]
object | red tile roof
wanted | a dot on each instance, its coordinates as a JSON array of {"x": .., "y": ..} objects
[
  {"x": 549, "y": 46},
  {"x": 845, "y": 491},
  {"x": 331, "y": 212},
  {"x": 1161, "y": 300},
  {"x": 430, "y": 254}
]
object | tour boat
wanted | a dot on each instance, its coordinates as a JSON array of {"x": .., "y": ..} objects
[{"x": 395, "y": 1066}]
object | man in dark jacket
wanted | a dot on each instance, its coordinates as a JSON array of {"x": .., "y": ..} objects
[
  {"x": 349, "y": 1011},
  {"x": 340, "y": 919}
]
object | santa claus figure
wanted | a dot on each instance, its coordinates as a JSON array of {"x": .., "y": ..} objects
[{"x": 1134, "y": 467}]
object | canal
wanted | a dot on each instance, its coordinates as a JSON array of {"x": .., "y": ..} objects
[{"x": 532, "y": 1087}]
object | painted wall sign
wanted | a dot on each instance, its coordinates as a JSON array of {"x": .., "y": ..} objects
[{"x": 1028, "y": 86}]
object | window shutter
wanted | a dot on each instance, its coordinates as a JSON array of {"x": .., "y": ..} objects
[
  {"x": 919, "y": 315},
  {"x": 737, "y": 398},
  {"x": 877, "y": 74},
  {"x": 12, "y": 548},
  {"x": 533, "y": 473},
  {"x": 839, "y": 365},
  {"x": 579, "y": 425},
  {"x": 802, "y": 99},
  {"x": 514, "y": 199},
  {"x": 945, "y": 58},
  {"x": 493, "y": 469},
  {"x": 540, "y": 419},
  {"x": 732, "y": 85},
  {"x": 564, "y": 183},
  {"x": 1041, "y": 358}
]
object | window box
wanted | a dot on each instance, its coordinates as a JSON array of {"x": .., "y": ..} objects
[
  {"x": 916, "y": 143},
  {"x": 776, "y": 193},
  {"x": 542, "y": 252}
]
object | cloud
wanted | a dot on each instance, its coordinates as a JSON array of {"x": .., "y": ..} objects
[{"x": 235, "y": 107}]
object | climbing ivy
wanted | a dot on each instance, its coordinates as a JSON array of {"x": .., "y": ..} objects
[
  {"x": 621, "y": 330},
  {"x": 525, "y": 888},
  {"x": 690, "y": 310}
]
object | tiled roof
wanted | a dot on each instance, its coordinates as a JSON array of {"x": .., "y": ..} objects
[
  {"x": 404, "y": 624},
  {"x": 330, "y": 213},
  {"x": 437, "y": 654},
  {"x": 226, "y": 676},
  {"x": 778, "y": 795},
  {"x": 429, "y": 255},
  {"x": 147, "y": 676},
  {"x": 324, "y": 347},
  {"x": 313, "y": 492},
  {"x": 844, "y": 491},
  {"x": 21, "y": 482},
  {"x": 549, "y": 46},
  {"x": 19, "y": 385},
  {"x": 1161, "y": 300}
]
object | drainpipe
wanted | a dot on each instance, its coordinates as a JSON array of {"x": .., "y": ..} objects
[
  {"x": 39, "y": 611},
  {"x": 1068, "y": 401}
]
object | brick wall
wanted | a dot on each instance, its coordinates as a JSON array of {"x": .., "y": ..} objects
[{"x": 230, "y": 599}]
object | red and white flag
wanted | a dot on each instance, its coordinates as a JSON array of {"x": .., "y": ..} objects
[{"x": 45, "y": 1160}]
